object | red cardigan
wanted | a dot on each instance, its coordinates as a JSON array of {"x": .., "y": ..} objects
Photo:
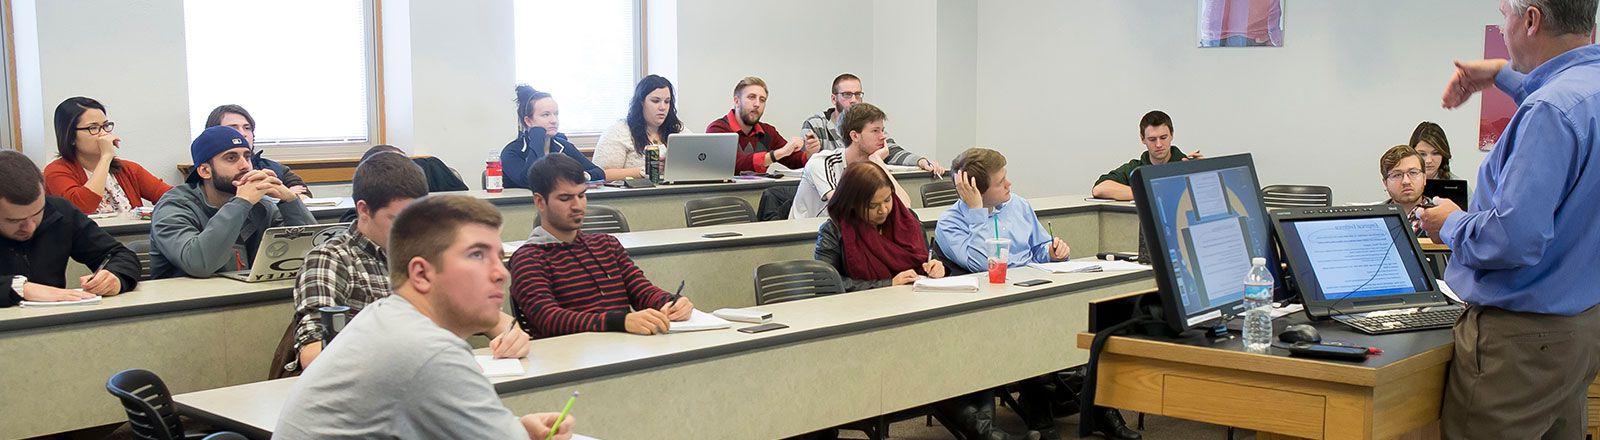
[{"x": 65, "y": 178}]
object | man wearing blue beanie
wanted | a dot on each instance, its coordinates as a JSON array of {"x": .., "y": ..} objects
[{"x": 214, "y": 223}]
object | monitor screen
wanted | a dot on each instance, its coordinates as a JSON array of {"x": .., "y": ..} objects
[
  {"x": 1357, "y": 258},
  {"x": 1206, "y": 221}
]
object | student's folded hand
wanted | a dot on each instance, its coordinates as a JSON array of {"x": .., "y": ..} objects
[
  {"x": 934, "y": 269},
  {"x": 43, "y": 293},
  {"x": 540, "y": 424},
  {"x": 511, "y": 345},
  {"x": 646, "y": 322},
  {"x": 904, "y": 278},
  {"x": 1059, "y": 250}
]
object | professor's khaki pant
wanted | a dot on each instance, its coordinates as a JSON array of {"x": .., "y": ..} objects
[{"x": 1520, "y": 375}]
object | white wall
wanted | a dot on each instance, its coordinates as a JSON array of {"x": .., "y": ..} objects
[
  {"x": 1061, "y": 87},
  {"x": 462, "y": 82}
]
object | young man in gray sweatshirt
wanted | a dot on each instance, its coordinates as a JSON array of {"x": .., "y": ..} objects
[{"x": 214, "y": 223}]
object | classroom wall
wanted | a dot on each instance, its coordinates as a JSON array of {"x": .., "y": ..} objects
[{"x": 1061, "y": 87}]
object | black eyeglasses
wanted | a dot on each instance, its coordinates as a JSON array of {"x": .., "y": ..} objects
[
  {"x": 100, "y": 128},
  {"x": 848, "y": 95}
]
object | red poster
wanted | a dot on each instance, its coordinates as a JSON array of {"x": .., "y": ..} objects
[{"x": 1497, "y": 106}]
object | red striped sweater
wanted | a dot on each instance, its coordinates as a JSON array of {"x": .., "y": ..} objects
[{"x": 587, "y": 285}]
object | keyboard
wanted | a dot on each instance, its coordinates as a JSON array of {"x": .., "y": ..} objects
[{"x": 1377, "y": 323}]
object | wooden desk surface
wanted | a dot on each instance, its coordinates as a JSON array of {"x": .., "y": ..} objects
[
  {"x": 1393, "y": 394},
  {"x": 601, "y": 363}
]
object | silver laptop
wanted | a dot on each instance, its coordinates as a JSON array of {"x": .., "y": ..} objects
[
  {"x": 283, "y": 251},
  {"x": 700, "y": 158}
]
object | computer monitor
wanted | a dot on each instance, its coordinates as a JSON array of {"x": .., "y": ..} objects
[
  {"x": 1355, "y": 259},
  {"x": 1203, "y": 221}
]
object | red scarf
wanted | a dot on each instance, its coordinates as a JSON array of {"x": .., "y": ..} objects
[{"x": 870, "y": 255}]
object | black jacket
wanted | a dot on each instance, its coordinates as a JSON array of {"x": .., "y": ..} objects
[{"x": 63, "y": 232}]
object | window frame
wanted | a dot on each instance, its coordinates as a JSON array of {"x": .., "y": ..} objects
[
  {"x": 586, "y": 141},
  {"x": 291, "y": 152},
  {"x": 11, "y": 136}
]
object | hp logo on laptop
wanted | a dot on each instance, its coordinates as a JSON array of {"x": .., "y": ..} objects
[{"x": 701, "y": 157}]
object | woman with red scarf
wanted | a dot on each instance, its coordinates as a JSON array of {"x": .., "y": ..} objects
[
  {"x": 871, "y": 237},
  {"x": 874, "y": 240}
]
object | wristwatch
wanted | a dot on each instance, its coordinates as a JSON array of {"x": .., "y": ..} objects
[{"x": 17, "y": 282}]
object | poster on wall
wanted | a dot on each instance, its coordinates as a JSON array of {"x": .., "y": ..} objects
[
  {"x": 1498, "y": 108},
  {"x": 1497, "y": 105},
  {"x": 1241, "y": 23}
]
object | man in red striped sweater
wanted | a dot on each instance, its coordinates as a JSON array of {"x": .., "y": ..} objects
[{"x": 567, "y": 281}]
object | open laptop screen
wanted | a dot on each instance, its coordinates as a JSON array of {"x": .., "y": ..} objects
[{"x": 1363, "y": 259}]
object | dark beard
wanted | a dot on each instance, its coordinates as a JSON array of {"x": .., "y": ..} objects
[
  {"x": 745, "y": 118},
  {"x": 224, "y": 186}
]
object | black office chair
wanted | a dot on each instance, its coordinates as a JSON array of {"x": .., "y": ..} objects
[
  {"x": 151, "y": 412},
  {"x": 141, "y": 249},
  {"x": 950, "y": 267},
  {"x": 712, "y": 211},
  {"x": 939, "y": 193},
  {"x": 795, "y": 280},
  {"x": 1297, "y": 196},
  {"x": 775, "y": 203}
]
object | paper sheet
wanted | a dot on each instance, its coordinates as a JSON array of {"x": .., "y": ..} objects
[
  {"x": 961, "y": 284},
  {"x": 82, "y": 302},
  {"x": 1068, "y": 266},
  {"x": 698, "y": 321},
  {"x": 499, "y": 367}
]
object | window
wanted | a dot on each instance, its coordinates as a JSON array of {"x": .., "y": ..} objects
[
  {"x": 10, "y": 128},
  {"x": 304, "y": 69},
  {"x": 585, "y": 53}
]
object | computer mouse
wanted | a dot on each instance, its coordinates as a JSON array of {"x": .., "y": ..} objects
[{"x": 1300, "y": 333}]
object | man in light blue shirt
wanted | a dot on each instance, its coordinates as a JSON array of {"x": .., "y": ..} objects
[
  {"x": 1524, "y": 256},
  {"x": 986, "y": 201}
]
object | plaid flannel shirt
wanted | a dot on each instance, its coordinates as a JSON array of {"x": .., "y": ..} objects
[{"x": 347, "y": 270}]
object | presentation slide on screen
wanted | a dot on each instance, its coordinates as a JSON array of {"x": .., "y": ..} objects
[
  {"x": 1354, "y": 258},
  {"x": 1209, "y": 200},
  {"x": 1220, "y": 255}
]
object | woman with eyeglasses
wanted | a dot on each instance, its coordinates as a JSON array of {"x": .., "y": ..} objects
[{"x": 88, "y": 172}]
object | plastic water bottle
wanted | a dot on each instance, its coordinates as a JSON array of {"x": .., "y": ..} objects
[
  {"x": 1258, "y": 307},
  {"x": 493, "y": 175}
]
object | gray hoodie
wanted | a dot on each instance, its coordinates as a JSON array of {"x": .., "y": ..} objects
[{"x": 190, "y": 237}]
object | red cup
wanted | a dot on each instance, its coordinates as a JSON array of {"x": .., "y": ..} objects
[{"x": 997, "y": 271}]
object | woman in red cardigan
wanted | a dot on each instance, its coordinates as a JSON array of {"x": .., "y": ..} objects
[{"x": 88, "y": 173}]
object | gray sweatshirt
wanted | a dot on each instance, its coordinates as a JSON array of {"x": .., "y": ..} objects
[{"x": 190, "y": 237}]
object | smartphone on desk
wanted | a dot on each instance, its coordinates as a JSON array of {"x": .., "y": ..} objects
[
  {"x": 722, "y": 235},
  {"x": 762, "y": 328}
]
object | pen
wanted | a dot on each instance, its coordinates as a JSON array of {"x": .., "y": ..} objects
[
  {"x": 562, "y": 417},
  {"x": 1051, "y": 227},
  {"x": 676, "y": 295}
]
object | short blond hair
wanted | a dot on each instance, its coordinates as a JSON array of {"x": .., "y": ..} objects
[{"x": 746, "y": 82}]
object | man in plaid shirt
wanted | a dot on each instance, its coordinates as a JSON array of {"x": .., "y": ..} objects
[
  {"x": 825, "y": 126},
  {"x": 351, "y": 268}
]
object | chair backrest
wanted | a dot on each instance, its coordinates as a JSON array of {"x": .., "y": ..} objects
[
  {"x": 602, "y": 219},
  {"x": 711, "y": 211},
  {"x": 795, "y": 280},
  {"x": 141, "y": 249},
  {"x": 950, "y": 267},
  {"x": 1297, "y": 196},
  {"x": 776, "y": 202},
  {"x": 939, "y": 193},
  {"x": 148, "y": 403}
]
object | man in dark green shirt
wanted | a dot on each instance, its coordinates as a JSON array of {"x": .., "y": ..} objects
[{"x": 1155, "y": 131}]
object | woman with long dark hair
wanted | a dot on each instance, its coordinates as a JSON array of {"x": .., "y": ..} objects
[
  {"x": 652, "y": 115},
  {"x": 539, "y": 134},
  {"x": 1430, "y": 142},
  {"x": 88, "y": 172}
]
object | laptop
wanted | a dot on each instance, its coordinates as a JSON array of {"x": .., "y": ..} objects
[
  {"x": 283, "y": 251},
  {"x": 1453, "y": 189},
  {"x": 1362, "y": 266},
  {"x": 700, "y": 158}
]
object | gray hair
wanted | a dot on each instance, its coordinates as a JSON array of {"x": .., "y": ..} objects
[{"x": 1565, "y": 16}]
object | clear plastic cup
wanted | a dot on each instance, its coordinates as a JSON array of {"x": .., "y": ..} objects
[{"x": 997, "y": 251}]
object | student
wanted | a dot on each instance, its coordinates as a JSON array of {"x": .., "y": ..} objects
[
  {"x": 349, "y": 268},
  {"x": 569, "y": 281},
  {"x": 440, "y": 177},
  {"x": 89, "y": 174},
  {"x": 652, "y": 116},
  {"x": 538, "y": 134},
  {"x": 985, "y": 195},
  {"x": 403, "y": 368},
  {"x": 986, "y": 200},
  {"x": 1403, "y": 178},
  {"x": 825, "y": 126},
  {"x": 235, "y": 116},
  {"x": 760, "y": 145},
  {"x": 41, "y": 232},
  {"x": 871, "y": 237},
  {"x": 864, "y": 124},
  {"x": 1430, "y": 142},
  {"x": 215, "y": 221},
  {"x": 1155, "y": 131}
]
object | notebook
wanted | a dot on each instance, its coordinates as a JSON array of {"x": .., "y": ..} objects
[
  {"x": 1121, "y": 266},
  {"x": 499, "y": 367},
  {"x": 698, "y": 321},
  {"x": 81, "y": 302},
  {"x": 323, "y": 202},
  {"x": 1068, "y": 266},
  {"x": 962, "y": 284}
]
